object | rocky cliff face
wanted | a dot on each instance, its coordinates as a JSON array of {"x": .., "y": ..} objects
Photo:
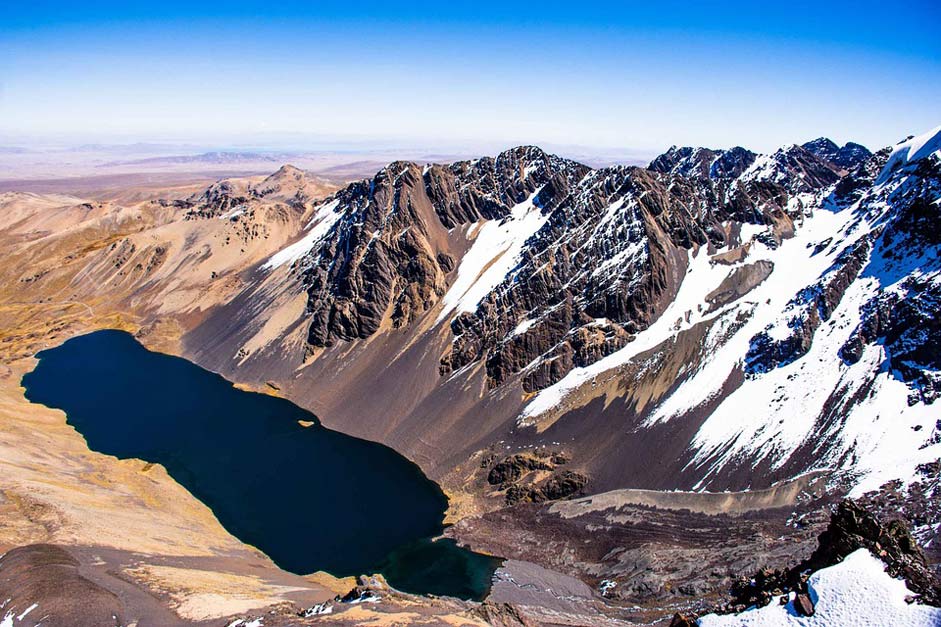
[
  {"x": 389, "y": 252},
  {"x": 604, "y": 265}
]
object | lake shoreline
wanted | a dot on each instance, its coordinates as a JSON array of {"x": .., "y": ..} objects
[{"x": 30, "y": 381}]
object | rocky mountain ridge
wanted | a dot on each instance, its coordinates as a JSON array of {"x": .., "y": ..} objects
[
  {"x": 539, "y": 272},
  {"x": 602, "y": 263}
]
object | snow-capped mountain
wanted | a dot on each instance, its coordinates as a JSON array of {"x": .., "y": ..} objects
[{"x": 719, "y": 319}]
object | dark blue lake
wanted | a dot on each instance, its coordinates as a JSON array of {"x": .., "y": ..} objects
[{"x": 310, "y": 498}]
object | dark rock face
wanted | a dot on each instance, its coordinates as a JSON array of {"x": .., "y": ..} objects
[
  {"x": 48, "y": 576},
  {"x": 848, "y": 157},
  {"x": 563, "y": 485},
  {"x": 604, "y": 266},
  {"x": 383, "y": 255},
  {"x": 910, "y": 331},
  {"x": 732, "y": 163},
  {"x": 796, "y": 169},
  {"x": 703, "y": 162},
  {"x": 823, "y": 147},
  {"x": 851, "y": 155},
  {"x": 488, "y": 188},
  {"x": 858, "y": 180}
]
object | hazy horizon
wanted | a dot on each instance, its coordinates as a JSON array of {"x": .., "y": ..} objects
[{"x": 604, "y": 79}]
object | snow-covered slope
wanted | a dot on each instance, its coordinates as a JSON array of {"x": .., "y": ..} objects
[
  {"x": 854, "y": 593},
  {"x": 813, "y": 394}
]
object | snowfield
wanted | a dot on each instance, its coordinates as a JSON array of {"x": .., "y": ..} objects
[
  {"x": 880, "y": 434},
  {"x": 854, "y": 593},
  {"x": 494, "y": 254}
]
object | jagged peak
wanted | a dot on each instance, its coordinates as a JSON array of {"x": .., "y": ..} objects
[
  {"x": 527, "y": 152},
  {"x": 847, "y": 157},
  {"x": 703, "y": 162},
  {"x": 821, "y": 144},
  {"x": 397, "y": 168},
  {"x": 530, "y": 156},
  {"x": 788, "y": 149}
]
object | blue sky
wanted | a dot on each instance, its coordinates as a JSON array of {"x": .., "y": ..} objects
[{"x": 622, "y": 75}]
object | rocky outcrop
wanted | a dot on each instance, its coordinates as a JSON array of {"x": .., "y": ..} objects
[
  {"x": 682, "y": 620},
  {"x": 218, "y": 199},
  {"x": 851, "y": 527},
  {"x": 511, "y": 469},
  {"x": 289, "y": 186},
  {"x": 532, "y": 477},
  {"x": 739, "y": 282},
  {"x": 502, "y": 615}
]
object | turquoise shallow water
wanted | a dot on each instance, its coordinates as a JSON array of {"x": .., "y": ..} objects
[{"x": 310, "y": 498}]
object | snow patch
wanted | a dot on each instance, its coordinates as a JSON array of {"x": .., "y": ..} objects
[
  {"x": 495, "y": 252},
  {"x": 233, "y": 214},
  {"x": 325, "y": 216},
  {"x": 522, "y": 327},
  {"x": 27, "y": 611},
  {"x": 855, "y": 592},
  {"x": 911, "y": 150}
]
